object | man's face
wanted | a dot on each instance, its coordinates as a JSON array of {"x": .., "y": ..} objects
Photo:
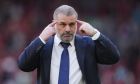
[{"x": 66, "y": 27}]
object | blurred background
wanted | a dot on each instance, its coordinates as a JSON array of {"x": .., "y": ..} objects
[{"x": 23, "y": 20}]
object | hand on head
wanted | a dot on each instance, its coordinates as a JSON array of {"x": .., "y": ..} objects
[
  {"x": 48, "y": 31},
  {"x": 86, "y": 29}
]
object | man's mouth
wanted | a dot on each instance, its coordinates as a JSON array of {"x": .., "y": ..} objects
[{"x": 67, "y": 35}]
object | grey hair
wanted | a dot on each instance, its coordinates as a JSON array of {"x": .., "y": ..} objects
[{"x": 66, "y": 10}]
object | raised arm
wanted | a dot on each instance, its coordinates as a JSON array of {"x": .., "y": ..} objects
[
  {"x": 105, "y": 51},
  {"x": 30, "y": 57}
]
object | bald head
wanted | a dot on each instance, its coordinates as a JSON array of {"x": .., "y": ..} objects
[{"x": 66, "y": 10}]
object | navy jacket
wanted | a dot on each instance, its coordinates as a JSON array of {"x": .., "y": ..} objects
[{"x": 89, "y": 53}]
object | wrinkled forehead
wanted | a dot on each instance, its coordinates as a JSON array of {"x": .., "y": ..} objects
[{"x": 66, "y": 19}]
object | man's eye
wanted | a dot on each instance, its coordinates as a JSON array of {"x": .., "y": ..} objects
[
  {"x": 62, "y": 24},
  {"x": 72, "y": 24}
]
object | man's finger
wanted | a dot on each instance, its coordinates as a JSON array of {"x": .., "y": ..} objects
[
  {"x": 80, "y": 22},
  {"x": 52, "y": 24}
]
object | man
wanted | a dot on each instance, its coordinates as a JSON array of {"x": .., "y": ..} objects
[{"x": 74, "y": 64}]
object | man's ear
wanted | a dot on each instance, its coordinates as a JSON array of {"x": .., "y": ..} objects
[
  {"x": 78, "y": 25},
  {"x": 80, "y": 32},
  {"x": 55, "y": 26},
  {"x": 53, "y": 20}
]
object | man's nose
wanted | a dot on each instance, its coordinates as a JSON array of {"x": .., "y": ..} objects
[{"x": 67, "y": 28}]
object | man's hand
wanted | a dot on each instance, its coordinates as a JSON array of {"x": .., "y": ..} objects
[
  {"x": 86, "y": 29},
  {"x": 48, "y": 32}
]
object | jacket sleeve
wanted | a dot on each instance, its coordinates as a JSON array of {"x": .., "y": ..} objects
[
  {"x": 29, "y": 58},
  {"x": 106, "y": 51}
]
